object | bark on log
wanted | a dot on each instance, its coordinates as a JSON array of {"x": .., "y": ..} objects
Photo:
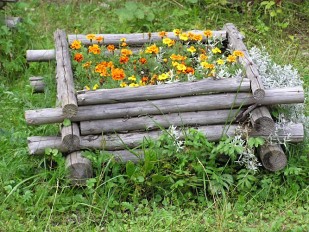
[
  {"x": 40, "y": 55},
  {"x": 137, "y": 39},
  {"x": 65, "y": 83},
  {"x": 79, "y": 168},
  {"x": 262, "y": 121},
  {"x": 143, "y": 93},
  {"x": 10, "y": 1},
  {"x": 12, "y": 22},
  {"x": 158, "y": 121},
  {"x": 71, "y": 137},
  {"x": 37, "y": 144},
  {"x": 174, "y": 105},
  {"x": 236, "y": 43},
  {"x": 37, "y": 84},
  {"x": 272, "y": 157}
]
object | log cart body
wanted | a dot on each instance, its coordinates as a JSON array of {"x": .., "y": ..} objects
[{"x": 116, "y": 119}]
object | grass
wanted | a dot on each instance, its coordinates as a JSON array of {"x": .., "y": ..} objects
[{"x": 34, "y": 190}]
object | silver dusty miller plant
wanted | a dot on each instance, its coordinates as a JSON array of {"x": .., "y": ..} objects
[{"x": 277, "y": 76}]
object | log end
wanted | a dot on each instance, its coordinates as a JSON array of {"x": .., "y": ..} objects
[
  {"x": 71, "y": 142},
  {"x": 79, "y": 168},
  {"x": 273, "y": 157},
  {"x": 258, "y": 94},
  {"x": 69, "y": 110}
]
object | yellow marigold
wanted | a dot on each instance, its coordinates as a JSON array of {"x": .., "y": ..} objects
[
  {"x": 126, "y": 52},
  {"x": 207, "y": 65},
  {"x": 177, "y": 32},
  {"x": 78, "y": 57},
  {"x": 191, "y": 49},
  {"x": 181, "y": 67},
  {"x": 123, "y": 44},
  {"x": 153, "y": 49},
  {"x": 133, "y": 85},
  {"x": 178, "y": 57},
  {"x": 183, "y": 36},
  {"x": 197, "y": 37},
  {"x": 95, "y": 49},
  {"x": 90, "y": 36},
  {"x": 238, "y": 53},
  {"x": 169, "y": 42},
  {"x": 208, "y": 33},
  {"x": 231, "y": 58},
  {"x": 220, "y": 61},
  {"x": 203, "y": 57},
  {"x": 123, "y": 84},
  {"x": 95, "y": 87},
  {"x": 123, "y": 40},
  {"x": 99, "y": 38},
  {"x": 163, "y": 76},
  {"x": 164, "y": 60},
  {"x": 216, "y": 50},
  {"x": 76, "y": 44},
  {"x": 175, "y": 63},
  {"x": 87, "y": 87},
  {"x": 110, "y": 48},
  {"x": 132, "y": 78},
  {"x": 162, "y": 34},
  {"x": 87, "y": 64},
  {"x": 118, "y": 74}
]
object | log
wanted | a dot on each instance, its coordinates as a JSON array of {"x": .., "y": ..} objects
[
  {"x": 12, "y": 22},
  {"x": 157, "y": 121},
  {"x": 137, "y": 39},
  {"x": 40, "y": 55},
  {"x": 236, "y": 43},
  {"x": 65, "y": 82},
  {"x": 71, "y": 137},
  {"x": 206, "y": 86},
  {"x": 37, "y": 84},
  {"x": 272, "y": 157},
  {"x": 10, "y": 1},
  {"x": 262, "y": 121},
  {"x": 79, "y": 168},
  {"x": 37, "y": 144},
  {"x": 286, "y": 95}
]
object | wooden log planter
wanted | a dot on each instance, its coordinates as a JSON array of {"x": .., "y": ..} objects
[{"x": 116, "y": 120}]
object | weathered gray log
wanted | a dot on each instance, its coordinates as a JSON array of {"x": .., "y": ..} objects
[
  {"x": 158, "y": 121},
  {"x": 40, "y": 55},
  {"x": 262, "y": 121},
  {"x": 65, "y": 82},
  {"x": 37, "y": 84},
  {"x": 71, "y": 137},
  {"x": 12, "y": 22},
  {"x": 272, "y": 157},
  {"x": 79, "y": 168},
  {"x": 173, "y": 105},
  {"x": 137, "y": 39},
  {"x": 236, "y": 43},
  {"x": 10, "y": 1},
  {"x": 143, "y": 93},
  {"x": 37, "y": 144}
]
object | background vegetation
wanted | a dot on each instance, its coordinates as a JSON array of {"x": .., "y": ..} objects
[{"x": 35, "y": 193}]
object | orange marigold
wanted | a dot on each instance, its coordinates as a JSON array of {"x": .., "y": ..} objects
[
  {"x": 190, "y": 70},
  {"x": 208, "y": 33},
  {"x": 118, "y": 74},
  {"x": 238, "y": 53},
  {"x": 123, "y": 59},
  {"x": 153, "y": 49},
  {"x": 231, "y": 58},
  {"x": 178, "y": 57},
  {"x": 99, "y": 38},
  {"x": 87, "y": 64},
  {"x": 78, "y": 57},
  {"x": 143, "y": 60},
  {"x": 198, "y": 37},
  {"x": 123, "y": 44},
  {"x": 76, "y": 44},
  {"x": 145, "y": 79},
  {"x": 95, "y": 49},
  {"x": 126, "y": 52},
  {"x": 162, "y": 34},
  {"x": 111, "y": 48}
]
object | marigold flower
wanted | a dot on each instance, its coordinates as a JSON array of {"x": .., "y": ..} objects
[
  {"x": 181, "y": 67},
  {"x": 183, "y": 36},
  {"x": 87, "y": 65},
  {"x": 238, "y": 53},
  {"x": 99, "y": 38},
  {"x": 220, "y": 61},
  {"x": 118, "y": 74},
  {"x": 175, "y": 63},
  {"x": 231, "y": 58},
  {"x": 133, "y": 85},
  {"x": 90, "y": 36},
  {"x": 162, "y": 34},
  {"x": 189, "y": 70},
  {"x": 123, "y": 40},
  {"x": 178, "y": 57},
  {"x": 95, "y": 87},
  {"x": 126, "y": 52},
  {"x": 206, "y": 65},
  {"x": 78, "y": 57},
  {"x": 153, "y": 49},
  {"x": 203, "y": 57},
  {"x": 123, "y": 59},
  {"x": 87, "y": 87},
  {"x": 132, "y": 78},
  {"x": 208, "y": 33},
  {"x": 123, "y": 44},
  {"x": 143, "y": 60},
  {"x": 169, "y": 42},
  {"x": 110, "y": 48},
  {"x": 163, "y": 76},
  {"x": 177, "y": 32},
  {"x": 123, "y": 84},
  {"x": 191, "y": 35},
  {"x": 216, "y": 50},
  {"x": 144, "y": 79},
  {"x": 76, "y": 44},
  {"x": 164, "y": 60},
  {"x": 191, "y": 49},
  {"x": 198, "y": 37},
  {"x": 95, "y": 49},
  {"x": 102, "y": 69}
]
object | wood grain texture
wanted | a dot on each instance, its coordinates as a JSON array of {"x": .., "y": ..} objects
[
  {"x": 262, "y": 121},
  {"x": 137, "y": 39},
  {"x": 206, "y": 86},
  {"x": 272, "y": 157},
  {"x": 70, "y": 136},
  {"x": 40, "y": 55},
  {"x": 235, "y": 40},
  {"x": 288, "y": 95}
]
